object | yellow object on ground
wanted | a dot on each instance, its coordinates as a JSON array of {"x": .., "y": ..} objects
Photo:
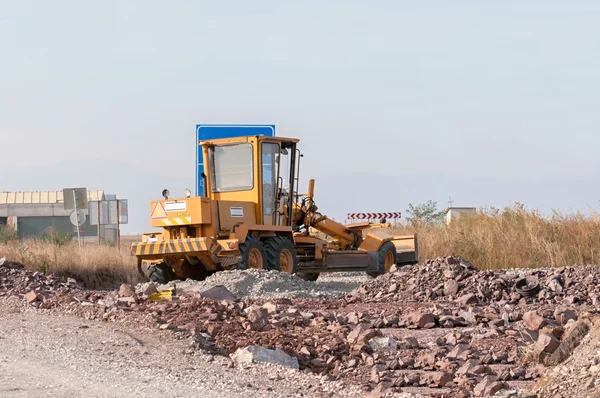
[{"x": 163, "y": 295}]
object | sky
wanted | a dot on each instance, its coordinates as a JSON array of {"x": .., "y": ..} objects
[{"x": 395, "y": 102}]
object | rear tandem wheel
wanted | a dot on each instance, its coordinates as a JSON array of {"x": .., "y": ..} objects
[{"x": 281, "y": 255}]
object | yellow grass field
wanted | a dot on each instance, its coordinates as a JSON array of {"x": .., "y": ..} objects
[
  {"x": 513, "y": 238},
  {"x": 96, "y": 266}
]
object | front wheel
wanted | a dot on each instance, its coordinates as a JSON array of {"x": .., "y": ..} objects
[
  {"x": 252, "y": 253},
  {"x": 281, "y": 255},
  {"x": 386, "y": 259},
  {"x": 161, "y": 273}
]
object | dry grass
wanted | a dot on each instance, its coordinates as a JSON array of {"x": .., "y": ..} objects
[
  {"x": 96, "y": 266},
  {"x": 513, "y": 238}
]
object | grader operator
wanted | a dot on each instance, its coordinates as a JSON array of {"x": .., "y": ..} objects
[{"x": 251, "y": 216}]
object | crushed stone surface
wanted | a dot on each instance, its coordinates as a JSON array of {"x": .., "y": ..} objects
[
  {"x": 272, "y": 284},
  {"x": 577, "y": 376},
  {"x": 46, "y": 354},
  {"x": 442, "y": 328}
]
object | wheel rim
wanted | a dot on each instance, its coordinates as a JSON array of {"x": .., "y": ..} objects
[
  {"x": 389, "y": 261},
  {"x": 255, "y": 259},
  {"x": 286, "y": 262}
]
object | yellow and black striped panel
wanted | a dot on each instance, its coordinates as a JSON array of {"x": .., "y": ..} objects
[{"x": 173, "y": 246}]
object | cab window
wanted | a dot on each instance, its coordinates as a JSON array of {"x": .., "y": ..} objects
[{"x": 231, "y": 168}]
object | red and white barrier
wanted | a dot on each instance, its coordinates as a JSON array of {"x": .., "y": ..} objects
[{"x": 369, "y": 216}]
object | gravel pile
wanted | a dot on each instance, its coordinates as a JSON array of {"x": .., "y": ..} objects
[
  {"x": 255, "y": 283},
  {"x": 454, "y": 279}
]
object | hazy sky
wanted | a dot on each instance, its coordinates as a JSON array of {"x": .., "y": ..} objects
[{"x": 477, "y": 91}]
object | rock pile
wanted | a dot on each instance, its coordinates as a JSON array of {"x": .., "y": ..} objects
[
  {"x": 401, "y": 352},
  {"x": 454, "y": 279},
  {"x": 439, "y": 328},
  {"x": 553, "y": 339},
  {"x": 36, "y": 287},
  {"x": 579, "y": 374}
]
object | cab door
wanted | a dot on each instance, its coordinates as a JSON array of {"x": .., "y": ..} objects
[
  {"x": 270, "y": 154},
  {"x": 278, "y": 160}
]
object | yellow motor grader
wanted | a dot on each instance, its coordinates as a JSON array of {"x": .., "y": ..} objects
[{"x": 251, "y": 215}]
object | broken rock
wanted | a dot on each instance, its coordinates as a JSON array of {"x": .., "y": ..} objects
[
  {"x": 467, "y": 368},
  {"x": 253, "y": 354},
  {"x": 32, "y": 297},
  {"x": 529, "y": 336},
  {"x": 461, "y": 351},
  {"x": 534, "y": 321},
  {"x": 422, "y": 320},
  {"x": 564, "y": 316},
  {"x": 126, "y": 300},
  {"x": 257, "y": 315},
  {"x": 410, "y": 342},
  {"x": 150, "y": 289},
  {"x": 218, "y": 293},
  {"x": 495, "y": 387},
  {"x": 450, "y": 288},
  {"x": 362, "y": 334},
  {"x": 383, "y": 344},
  {"x": 548, "y": 343},
  {"x": 126, "y": 290},
  {"x": 436, "y": 379},
  {"x": 487, "y": 385},
  {"x": 555, "y": 286},
  {"x": 467, "y": 299}
]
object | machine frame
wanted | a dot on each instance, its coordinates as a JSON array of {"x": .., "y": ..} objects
[{"x": 251, "y": 215}]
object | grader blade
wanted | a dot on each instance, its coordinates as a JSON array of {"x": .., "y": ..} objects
[{"x": 407, "y": 251}]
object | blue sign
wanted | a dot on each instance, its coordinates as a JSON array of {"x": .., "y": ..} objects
[{"x": 214, "y": 131}]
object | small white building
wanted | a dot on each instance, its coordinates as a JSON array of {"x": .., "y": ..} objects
[{"x": 455, "y": 212}]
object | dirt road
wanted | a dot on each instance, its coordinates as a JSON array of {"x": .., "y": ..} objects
[
  {"x": 441, "y": 329},
  {"x": 56, "y": 355}
]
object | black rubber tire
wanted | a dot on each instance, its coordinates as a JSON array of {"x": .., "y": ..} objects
[
  {"x": 161, "y": 273},
  {"x": 238, "y": 266},
  {"x": 308, "y": 276},
  {"x": 245, "y": 248},
  {"x": 382, "y": 254},
  {"x": 273, "y": 248}
]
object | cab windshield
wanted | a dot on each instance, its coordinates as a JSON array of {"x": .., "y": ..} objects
[{"x": 231, "y": 167}]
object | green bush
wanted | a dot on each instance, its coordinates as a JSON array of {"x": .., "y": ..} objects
[
  {"x": 7, "y": 233},
  {"x": 55, "y": 237}
]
